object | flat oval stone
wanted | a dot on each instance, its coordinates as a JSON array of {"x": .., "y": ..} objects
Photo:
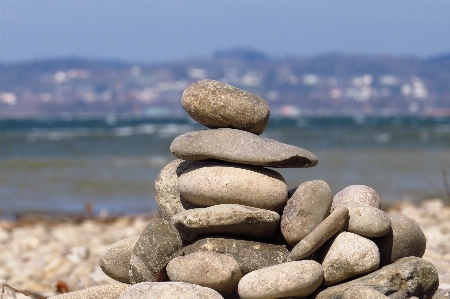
[
  {"x": 363, "y": 292},
  {"x": 405, "y": 238},
  {"x": 308, "y": 206},
  {"x": 210, "y": 269},
  {"x": 109, "y": 291},
  {"x": 228, "y": 219},
  {"x": 238, "y": 146},
  {"x": 250, "y": 255},
  {"x": 157, "y": 245},
  {"x": 367, "y": 221},
  {"x": 218, "y": 105},
  {"x": 169, "y": 290},
  {"x": 357, "y": 194},
  {"x": 115, "y": 260},
  {"x": 292, "y": 279},
  {"x": 407, "y": 277},
  {"x": 167, "y": 195},
  {"x": 349, "y": 255},
  {"x": 322, "y": 233},
  {"x": 234, "y": 184}
]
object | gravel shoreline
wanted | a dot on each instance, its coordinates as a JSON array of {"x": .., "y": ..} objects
[{"x": 43, "y": 254}]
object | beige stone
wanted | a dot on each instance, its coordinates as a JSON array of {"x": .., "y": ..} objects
[{"x": 357, "y": 194}]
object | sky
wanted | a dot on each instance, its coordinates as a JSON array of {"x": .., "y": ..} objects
[{"x": 158, "y": 31}]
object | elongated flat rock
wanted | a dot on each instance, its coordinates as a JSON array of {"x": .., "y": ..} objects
[
  {"x": 228, "y": 219},
  {"x": 227, "y": 183},
  {"x": 292, "y": 279},
  {"x": 407, "y": 277},
  {"x": 322, "y": 233},
  {"x": 240, "y": 147},
  {"x": 250, "y": 255},
  {"x": 308, "y": 206},
  {"x": 169, "y": 290},
  {"x": 218, "y": 105}
]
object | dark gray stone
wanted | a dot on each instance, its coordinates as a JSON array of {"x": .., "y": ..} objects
[
  {"x": 219, "y": 105},
  {"x": 238, "y": 146},
  {"x": 157, "y": 245},
  {"x": 308, "y": 206},
  {"x": 250, "y": 255}
]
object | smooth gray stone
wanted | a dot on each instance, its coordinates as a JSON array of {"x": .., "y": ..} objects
[
  {"x": 406, "y": 277},
  {"x": 405, "y": 238},
  {"x": 305, "y": 209},
  {"x": 322, "y": 233},
  {"x": 227, "y": 183},
  {"x": 250, "y": 255},
  {"x": 348, "y": 256},
  {"x": 367, "y": 221},
  {"x": 218, "y": 105},
  {"x": 357, "y": 194},
  {"x": 110, "y": 291},
  {"x": 157, "y": 245},
  {"x": 292, "y": 279},
  {"x": 210, "y": 269},
  {"x": 363, "y": 292},
  {"x": 115, "y": 260},
  {"x": 238, "y": 146},
  {"x": 169, "y": 290},
  {"x": 228, "y": 219},
  {"x": 167, "y": 195}
]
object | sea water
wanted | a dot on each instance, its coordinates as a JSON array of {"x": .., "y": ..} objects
[{"x": 60, "y": 165}]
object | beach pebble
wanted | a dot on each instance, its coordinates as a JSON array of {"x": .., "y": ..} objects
[
  {"x": 115, "y": 260},
  {"x": 407, "y": 277},
  {"x": 348, "y": 256},
  {"x": 228, "y": 219},
  {"x": 405, "y": 238},
  {"x": 157, "y": 245},
  {"x": 110, "y": 291},
  {"x": 208, "y": 269},
  {"x": 169, "y": 290},
  {"x": 238, "y": 146},
  {"x": 218, "y": 105},
  {"x": 357, "y": 194},
  {"x": 322, "y": 233},
  {"x": 292, "y": 279},
  {"x": 363, "y": 292},
  {"x": 250, "y": 255},
  {"x": 234, "y": 184},
  {"x": 167, "y": 196},
  {"x": 367, "y": 221},
  {"x": 306, "y": 208}
]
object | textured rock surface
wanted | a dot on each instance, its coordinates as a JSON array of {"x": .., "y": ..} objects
[
  {"x": 442, "y": 294},
  {"x": 293, "y": 279},
  {"x": 110, "y": 291},
  {"x": 348, "y": 256},
  {"x": 367, "y": 221},
  {"x": 169, "y": 290},
  {"x": 357, "y": 194},
  {"x": 228, "y": 183},
  {"x": 404, "y": 239},
  {"x": 238, "y": 146},
  {"x": 228, "y": 219},
  {"x": 157, "y": 245},
  {"x": 322, "y": 233},
  {"x": 167, "y": 196},
  {"x": 405, "y": 278},
  {"x": 363, "y": 292},
  {"x": 219, "y": 105},
  {"x": 308, "y": 206},
  {"x": 250, "y": 255},
  {"x": 209, "y": 269},
  {"x": 115, "y": 260}
]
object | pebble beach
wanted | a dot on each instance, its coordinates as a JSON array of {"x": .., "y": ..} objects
[{"x": 47, "y": 256}]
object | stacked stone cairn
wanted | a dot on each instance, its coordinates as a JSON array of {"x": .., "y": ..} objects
[{"x": 230, "y": 228}]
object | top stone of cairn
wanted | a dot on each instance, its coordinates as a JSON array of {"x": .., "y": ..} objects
[{"x": 218, "y": 105}]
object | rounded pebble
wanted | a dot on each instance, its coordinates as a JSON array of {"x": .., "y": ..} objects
[
  {"x": 357, "y": 194},
  {"x": 367, "y": 221}
]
